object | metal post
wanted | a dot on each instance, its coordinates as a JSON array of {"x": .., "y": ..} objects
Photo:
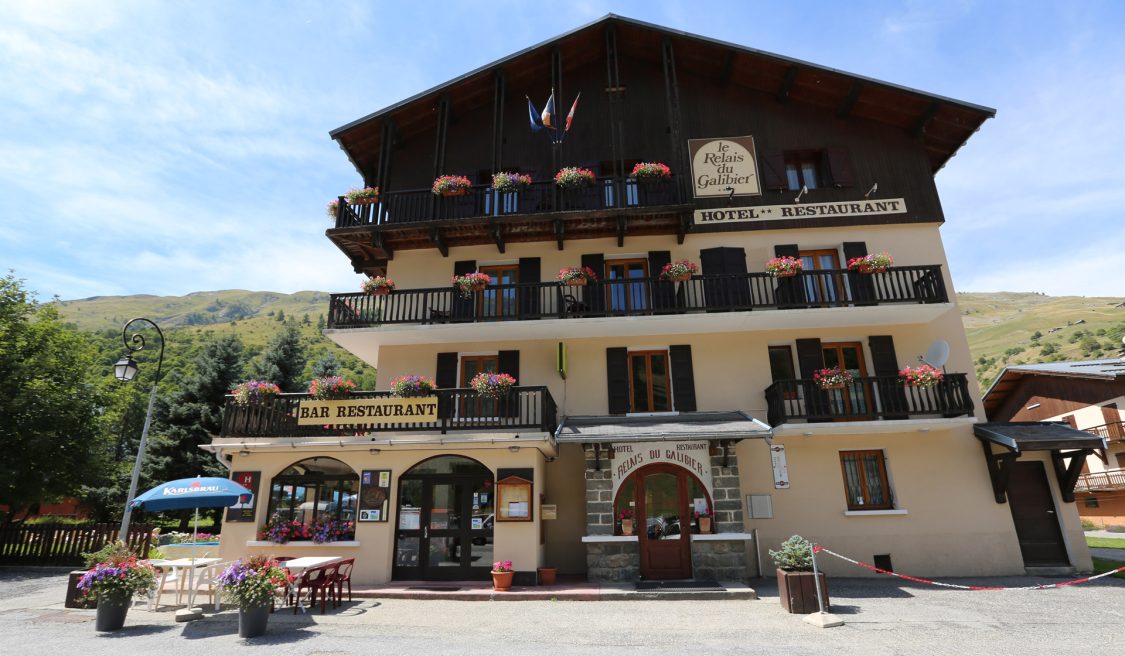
[
  {"x": 138, "y": 344},
  {"x": 816, "y": 578}
]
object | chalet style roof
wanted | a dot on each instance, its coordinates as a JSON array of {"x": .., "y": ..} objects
[
  {"x": 1109, "y": 370},
  {"x": 944, "y": 124},
  {"x": 1021, "y": 436},
  {"x": 684, "y": 426}
]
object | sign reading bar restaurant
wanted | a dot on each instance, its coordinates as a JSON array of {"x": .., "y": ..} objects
[
  {"x": 352, "y": 412},
  {"x": 692, "y": 456},
  {"x": 799, "y": 210},
  {"x": 724, "y": 167}
]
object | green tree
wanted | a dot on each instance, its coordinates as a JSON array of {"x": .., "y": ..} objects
[
  {"x": 320, "y": 323},
  {"x": 283, "y": 360},
  {"x": 1036, "y": 336},
  {"x": 1048, "y": 349},
  {"x": 280, "y": 317},
  {"x": 326, "y": 365},
  {"x": 50, "y": 403}
]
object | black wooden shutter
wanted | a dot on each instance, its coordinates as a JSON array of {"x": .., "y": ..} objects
[
  {"x": 446, "y": 378},
  {"x": 773, "y": 172},
  {"x": 529, "y": 296},
  {"x": 683, "y": 378},
  {"x": 663, "y": 292},
  {"x": 862, "y": 285},
  {"x": 463, "y": 308},
  {"x": 508, "y": 362},
  {"x": 884, "y": 362},
  {"x": 726, "y": 292},
  {"x": 738, "y": 288},
  {"x": 713, "y": 263},
  {"x": 839, "y": 165},
  {"x": 790, "y": 291},
  {"x": 592, "y": 295},
  {"x": 810, "y": 358},
  {"x": 617, "y": 379}
]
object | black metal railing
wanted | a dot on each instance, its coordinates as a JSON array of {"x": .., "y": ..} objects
[
  {"x": 417, "y": 205},
  {"x": 868, "y": 397},
  {"x": 524, "y": 408},
  {"x": 1112, "y": 432},
  {"x": 641, "y": 296}
]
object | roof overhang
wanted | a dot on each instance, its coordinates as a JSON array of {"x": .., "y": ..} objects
[
  {"x": 1068, "y": 448},
  {"x": 677, "y": 427}
]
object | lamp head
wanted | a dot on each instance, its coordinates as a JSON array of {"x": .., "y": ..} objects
[{"x": 125, "y": 368}]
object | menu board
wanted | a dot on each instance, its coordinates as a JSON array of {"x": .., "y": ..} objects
[
  {"x": 513, "y": 495},
  {"x": 374, "y": 495}
]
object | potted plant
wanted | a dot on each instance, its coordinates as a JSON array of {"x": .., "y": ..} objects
[
  {"x": 471, "y": 282},
  {"x": 283, "y": 530},
  {"x": 253, "y": 584},
  {"x": 704, "y": 519},
  {"x": 576, "y": 276},
  {"x": 331, "y": 530},
  {"x": 832, "y": 378},
  {"x": 679, "y": 271},
  {"x": 411, "y": 386},
  {"x": 784, "y": 267},
  {"x": 651, "y": 172},
  {"x": 921, "y": 376},
  {"x": 328, "y": 388},
  {"x": 795, "y": 583},
  {"x": 378, "y": 286},
  {"x": 505, "y": 182},
  {"x": 626, "y": 519},
  {"x": 873, "y": 263},
  {"x": 451, "y": 185},
  {"x": 365, "y": 196},
  {"x": 255, "y": 391},
  {"x": 333, "y": 208},
  {"x": 492, "y": 385},
  {"x": 502, "y": 575},
  {"x": 547, "y": 575},
  {"x": 574, "y": 177},
  {"x": 112, "y": 582}
]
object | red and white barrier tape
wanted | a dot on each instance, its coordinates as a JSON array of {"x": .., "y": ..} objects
[{"x": 819, "y": 549}]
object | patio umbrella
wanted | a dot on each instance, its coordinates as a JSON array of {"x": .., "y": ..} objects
[{"x": 196, "y": 493}]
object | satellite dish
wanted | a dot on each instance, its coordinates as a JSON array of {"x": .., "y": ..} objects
[{"x": 937, "y": 354}]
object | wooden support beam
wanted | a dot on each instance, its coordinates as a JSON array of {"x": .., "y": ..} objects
[
  {"x": 377, "y": 242},
  {"x": 1068, "y": 473},
  {"x": 849, "y": 100},
  {"x": 497, "y": 236},
  {"x": 920, "y": 125},
  {"x": 999, "y": 470},
  {"x": 787, "y": 84},
  {"x": 439, "y": 241},
  {"x": 560, "y": 232},
  {"x": 684, "y": 228},
  {"x": 622, "y": 226}
]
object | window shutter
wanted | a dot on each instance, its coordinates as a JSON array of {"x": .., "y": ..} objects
[
  {"x": 884, "y": 362},
  {"x": 446, "y": 378},
  {"x": 463, "y": 308},
  {"x": 810, "y": 357},
  {"x": 592, "y": 295},
  {"x": 617, "y": 379},
  {"x": 790, "y": 291},
  {"x": 840, "y": 171},
  {"x": 529, "y": 296},
  {"x": 663, "y": 292},
  {"x": 683, "y": 378},
  {"x": 727, "y": 292},
  {"x": 508, "y": 362},
  {"x": 862, "y": 285},
  {"x": 464, "y": 266},
  {"x": 773, "y": 172}
]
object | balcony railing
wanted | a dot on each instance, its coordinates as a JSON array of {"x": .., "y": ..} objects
[
  {"x": 641, "y": 296},
  {"x": 524, "y": 408},
  {"x": 417, "y": 205},
  {"x": 867, "y": 398},
  {"x": 1112, "y": 432},
  {"x": 1110, "y": 479}
]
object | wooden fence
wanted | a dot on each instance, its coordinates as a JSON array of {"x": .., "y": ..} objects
[{"x": 62, "y": 544}]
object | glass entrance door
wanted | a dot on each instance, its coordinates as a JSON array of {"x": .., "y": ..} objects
[
  {"x": 664, "y": 525},
  {"x": 445, "y": 526}
]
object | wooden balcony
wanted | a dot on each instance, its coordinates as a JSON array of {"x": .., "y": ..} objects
[
  {"x": 640, "y": 297},
  {"x": 867, "y": 398},
  {"x": 1104, "y": 481},
  {"x": 1112, "y": 432},
  {"x": 525, "y": 408}
]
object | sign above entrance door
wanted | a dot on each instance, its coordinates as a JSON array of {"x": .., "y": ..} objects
[
  {"x": 353, "y": 412},
  {"x": 692, "y": 456},
  {"x": 799, "y": 211},
  {"x": 724, "y": 167}
]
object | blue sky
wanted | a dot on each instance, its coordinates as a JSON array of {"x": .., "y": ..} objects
[{"x": 167, "y": 148}]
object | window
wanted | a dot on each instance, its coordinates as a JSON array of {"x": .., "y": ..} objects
[
  {"x": 865, "y": 480},
  {"x": 499, "y": 303},
  {"x": 316, "y": 489},
  {"x": 821, "y": 287},
  {"x": 802, "y": 169},
  {"x": 626, "y": 297},
  {"x": 649, "y": 386},
  {"x": 781, "y": 368},
  {"x": 471, "y": 365},
  {"x": 852, "y": 401},
  {"x": 1091, "y": 502}
]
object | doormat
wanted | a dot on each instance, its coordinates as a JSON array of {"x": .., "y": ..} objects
[
  {"x": 435, "y": 588},
  {"x": 680, "y": 586}
]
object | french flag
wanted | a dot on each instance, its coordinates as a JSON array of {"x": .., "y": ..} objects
[{"x": 570, "y": 115}]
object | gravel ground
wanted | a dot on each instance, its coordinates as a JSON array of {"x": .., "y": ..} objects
[{"x": 882, "y": 617}]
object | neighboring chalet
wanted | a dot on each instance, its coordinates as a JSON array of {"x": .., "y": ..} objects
[
  {"x": 659, "y": 428},
  {"x": 1087, "y": 395}
]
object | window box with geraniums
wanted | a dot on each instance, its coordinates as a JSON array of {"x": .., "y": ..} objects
[
  {"x": 412, "y": 386},
  {"x": 873, "y": 263},
  {"x": 832, "y": 378},
  {"x": 470, "y": 283},
  {"x": 331, "y": 530},
  {"x": 679, "y": 271},
  {"x": 506, "y": 182},
  {"x": 575, "y": 177},
  {"x": 378, "y": 286},
  {"x": 254, "y": 584},
  {"x": 784, "y": 267},
  {"x": 365, "y": 196},
  {"x": 921, "y": 376},
  {"x": 451, "y": 185},
  {"x": 651, "y": 172},
  {"x": 576, "y": 276},
  {"x": 502, "y": 574},
  {"x": 795, "y": 579},
  {"x": 330, "y": 388},
  {"x": 255, "y": 391},
  {"x": 492, "y": 385},
  {"x": 626, "y": 519},
  {"x": 113, "y": 582},
  {"x": 283, "y": 530}
]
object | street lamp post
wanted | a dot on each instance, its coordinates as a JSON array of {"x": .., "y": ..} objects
[{"x": 125, "y": 369}]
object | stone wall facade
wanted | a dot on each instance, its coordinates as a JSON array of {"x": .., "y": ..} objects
[
  {"x": 719, "y": 560},
  {"x": 613, "y": 561}
]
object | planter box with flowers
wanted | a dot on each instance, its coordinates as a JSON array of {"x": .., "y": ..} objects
[
  {"x": 651, "y": 172},
  {"x": 365, "y": 196},
  {"x": 502, "y": 574},
  {"x": 506, "y": 182},
  {"x": 451, "y": 185},
  {"x": 679, "y": 271},
  {"x": 492, "y": 385},
  {"x": 921, "y": 376},
  {"x": 576, "y": 276},
  {"x": 579, "y": 190},
  {"x": 784, "y": 267},
  {"x": 378, "y": 286},
  {"x": 575, "y": 177},
  {"x": 873, "y": 263},
  {"x": 470, "y": 283},
  {"x": 254, "y": 584},
  {"x": 412, "y": 386},
  {"x": 283, "y": 531},
  {"x": 255, "y": 391},
  {"x": 832, "y": 378},
  {"x": 113, "y": 582},
  {"x": 796, "y": 583},
  {"x": 330, "y": 388}
]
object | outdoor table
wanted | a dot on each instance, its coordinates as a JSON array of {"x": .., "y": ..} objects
[{"x": 297, "y": 566}]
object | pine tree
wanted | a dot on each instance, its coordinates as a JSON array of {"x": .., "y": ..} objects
[
  {"x": 320, "y": 323},
  {"x": 280, "y": 317},
  {"x": 326, "y": 365},
  {"x": 283, "y": 361}
]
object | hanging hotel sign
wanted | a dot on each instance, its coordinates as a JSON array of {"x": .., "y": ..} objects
[
  {"x": 692, "y": 456},
  {"x": 719, "y": 215},
  {"x": 780, "y": 467},
  {"x": 353, "y": 412},
  {"x": 724, "y": 167}
]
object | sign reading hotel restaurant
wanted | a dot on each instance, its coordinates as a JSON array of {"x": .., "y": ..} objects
[
  {"x": 720, "y": 166},
  {"x": 352, "y": 412},
  {"x": 719, "y": 215},
  {"x": 692, "y": 456}
]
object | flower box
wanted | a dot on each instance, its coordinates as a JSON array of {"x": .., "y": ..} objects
[
  {"x": 470, "y": 283},
  {"x": 832, "y": 378},
  {"x": 506, "y": 182},
  {"x": 651, "y": 172},
  {"x": 492, "y": 385},
  {"x": 785, "y": 266},
  {"x": 255, "y": 391},
  {"x": 576, "y": 276},
  {"x": 365, "y": 196},
  {"x": 921, "y": 376},
  {"x": 329, "y": 388},
  {"x": 412, "y": 386},
  {"x": 798, "y": 592},
  {"x": 451, "y": 185},
  {"x": 873, "y": 263},
  {"x": 574, "y": 177},
  {"x": 679, "y": 271},
  {"x": 377, "y": 286}
]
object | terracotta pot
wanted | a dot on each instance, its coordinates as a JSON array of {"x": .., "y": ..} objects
[
  {"x": 502, "y": 581},
  {"x": 867, "y": 268},
  {"x": 366, "y": 201},
  {"x": 833, "y": 387},
  {"x": 547, "y": 575},
  {"x": 797, "y": 591},
  {"x": 381, "y": 291},
  {"x": 704, "y": 524},
  {"x": 454, "y": 192},
  {"x": 626, "y": 527},
  {"x": 680, "y": 278},
  {"x": 785, "y": 274},
  {"x": 576, "y": 282}
]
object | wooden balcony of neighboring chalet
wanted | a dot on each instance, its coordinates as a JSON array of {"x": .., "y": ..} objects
[
  {"x": 1104, "y": 481},
  {"x": 524, "y": 408},
  {"x": 1112, "y": 432},
  {"x": 868, "y": 398}
]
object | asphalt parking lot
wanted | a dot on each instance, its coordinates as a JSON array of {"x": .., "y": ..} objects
[{"x": 882, "y": 617}]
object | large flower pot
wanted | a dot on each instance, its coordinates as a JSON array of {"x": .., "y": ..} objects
[
  {"x": 502, "y": 581},
  {"x": 547, "y": 575},
  {"x": 111, "y": 612},
  {"x": 797, "y": 592},
  {"x": 252, "y": 621}
]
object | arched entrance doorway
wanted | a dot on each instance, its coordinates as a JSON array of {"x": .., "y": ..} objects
[
  {"x": 663, "y": 500},
  {"x": 444, "y": 521}
]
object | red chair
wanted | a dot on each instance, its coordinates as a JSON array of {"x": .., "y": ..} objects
[
  {"x": 343, "y": 575},
  {"x": 318, "y": 580}
]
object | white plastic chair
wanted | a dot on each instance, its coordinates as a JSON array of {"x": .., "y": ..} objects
[{"x": 205, "y": 582}]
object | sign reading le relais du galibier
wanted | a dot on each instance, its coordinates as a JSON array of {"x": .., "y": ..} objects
[
  {"x": 353, "y": 412},
  {"x": 724, "y": 167}
]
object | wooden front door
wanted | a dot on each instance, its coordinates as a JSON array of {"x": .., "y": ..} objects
[
  {"x": 499, "y": 300},
  {"x": 821, "y": 288},
  {"x": 1033, "y": 511},
  {"x": 663, "y": 523},
  {"x": 853, "y": 403}
]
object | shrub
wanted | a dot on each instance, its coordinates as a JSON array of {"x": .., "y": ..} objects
[
  {"x": 795, "y": 555},
  {"x": 1087, "y": 525}
]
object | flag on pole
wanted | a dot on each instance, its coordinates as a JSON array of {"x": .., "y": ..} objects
[
  {"x": 570, "y": 115},
  {"x": 548, "y": 115},
  {"x": 533, "y": 114}
]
